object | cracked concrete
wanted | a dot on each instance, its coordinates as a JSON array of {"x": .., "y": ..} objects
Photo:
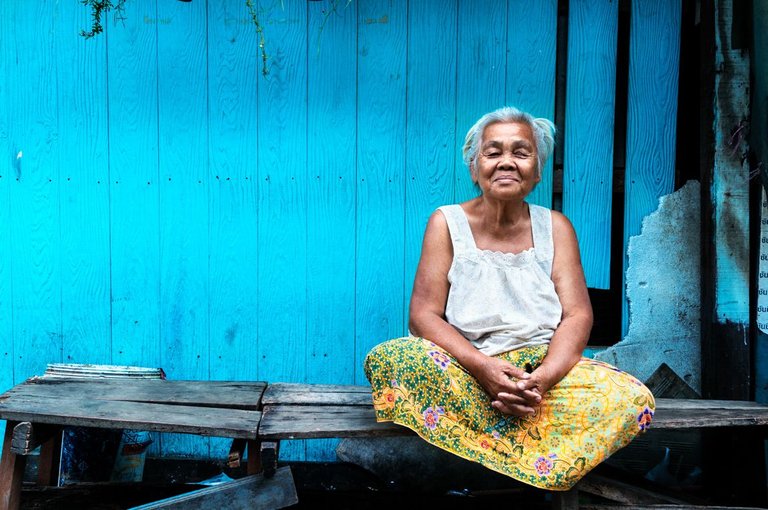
[{"x": 664, "y": 292}]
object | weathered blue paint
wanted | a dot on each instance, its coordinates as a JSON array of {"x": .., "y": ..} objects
[
  {"x": 34, "y": 195},
  {"x": 226, "y": 225},
  {"x": 730, "y": 177},
  {"x": 759, "y": 143},
  {"x": 134, "y": 200},
  {"x": 6, "y": 171},
  {"x": 651, "y": 116},
  {"x": 480, "y": 68},
  {"x": 83, "y": 161},
  {"x": 432, "y": 106},
  {"x": 589, "y": 118},
  {"x": 331, "y": 200},
  {"x": 183, "y": 169},
  {"x": 530, "y": 83},
  {"x": 233, "y": 70},
  {"x": 282, "y": 201},
  {"x": 381, "y": 145}
]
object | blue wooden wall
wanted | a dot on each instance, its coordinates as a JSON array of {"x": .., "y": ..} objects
[{"x": 162, "y": 203}]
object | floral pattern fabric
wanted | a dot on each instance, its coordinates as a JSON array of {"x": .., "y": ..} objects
[{"x": 595, "y": 410}]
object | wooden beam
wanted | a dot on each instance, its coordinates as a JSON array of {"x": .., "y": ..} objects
[
  {"x": 11, "y": 472},
  {"x": 26, "y": 437},
  {"x": 254, "y": 491}
]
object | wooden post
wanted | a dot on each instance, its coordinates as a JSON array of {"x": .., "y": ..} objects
[
  {"x": 726, "y": 342},
  {"x": 11, "y": 472}
]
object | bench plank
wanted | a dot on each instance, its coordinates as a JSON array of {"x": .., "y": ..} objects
[
  {"x": 307, "y": 422},
  {"x": 286, "y": 420},
  {"x": 225, "y": 394},
  {"x": 205, "y": 421},
  {"x": 317, "y": 394}
]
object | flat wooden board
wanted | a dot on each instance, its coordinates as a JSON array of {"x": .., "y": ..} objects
[
  {"x": 244, "y": 494},
  {"x": 317, "y": 394},
  {"x": 307, "y": 422},
  {"x": 225, "y": 394},
  {"x": 94, "y": 412},
  {"x": 673, "y": 404},
  {"x": 324, "y": 421}
]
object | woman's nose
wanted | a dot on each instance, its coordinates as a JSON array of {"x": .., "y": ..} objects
[{"x": 506, "y": 160}]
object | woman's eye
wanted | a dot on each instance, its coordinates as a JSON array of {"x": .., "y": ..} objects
[{"x": 492, "y": 154}]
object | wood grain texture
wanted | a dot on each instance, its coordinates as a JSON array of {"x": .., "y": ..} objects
[
  {"x": 84, "y": 203},
  {"x": 232, "y": 165},
  {"x": 225, "y": 394},
  {"x": 302, "y": 422},
  {"x": 589, "y": 119},
  {"x": 431, "y": 122},
  {"x": 282, "y": 201},
  {"x": 204, "y": 421},
  {"x": 381, "y": 93},
  {"x": 34, "y": 196},
  {"x": 654, "y": 61},
  {"x": 133, "y": 187},
  {"x": 481, "y": 63},
  {"x": 331, "y": 193},
  {"x": 183, "y": 168},
  {"x": 6, "y": 266},
  {"x": 232, "y": 74},
  {"x": 331, "y": 200},
  {"x": 530, "y": 70},
  {"x": 316, "y": 394},
  {"x": 282, "y": 198}
]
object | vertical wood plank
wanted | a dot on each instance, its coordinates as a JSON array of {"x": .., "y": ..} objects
[
  {"x": 654, "y": 59},
  {"x": 331, "y": 200},
  {"x": 34, "y": 201},
  {"x": 183, "y": 167},
  {"x": 84, "y": 209},
  {"x": 726, "y": 349},
  {"x": 530, "y": 77},
  {"x": 282, "y": 199},
  {"x": 480, "y": 75},
  {"x": 431, "y": 122},
  {"x": 232, "y": 73},
  {"x": 6, "y": 171},
  {"x": 133, "y": 186},
  {"x": 589, "y": 118},
  {"x": 380, "y": 175}
]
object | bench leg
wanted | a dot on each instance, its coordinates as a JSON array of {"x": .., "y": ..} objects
[
  {"x": 254, "y": 457},
  {"x": 11, "y": 472},
  {"x": 236, "y": 451},
  {"x": 50, "y": 457},
  {"x": 270, "y": 451}
]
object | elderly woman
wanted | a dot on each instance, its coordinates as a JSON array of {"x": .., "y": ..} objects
[{"x": 502, "y": 314}]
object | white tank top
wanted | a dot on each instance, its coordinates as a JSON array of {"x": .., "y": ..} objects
[{"x": 502, "y": 301}]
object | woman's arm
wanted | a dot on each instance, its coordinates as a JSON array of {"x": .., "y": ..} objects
[
  {"x": 571, "y": 336},
  {"x": 427, "y": 316}
]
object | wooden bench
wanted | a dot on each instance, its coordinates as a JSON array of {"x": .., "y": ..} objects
[
  {"x": 39, "y": 408},
  {"x": 302, "y": 411},
  {"x": 261, "y": 416}
]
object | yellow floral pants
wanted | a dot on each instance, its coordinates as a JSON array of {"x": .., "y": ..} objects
[{"x": 595, "y": 410}]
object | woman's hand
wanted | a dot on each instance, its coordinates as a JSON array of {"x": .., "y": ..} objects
[
  {"x": 511, "y": 389},
  {"x": 527, "y": 393}
]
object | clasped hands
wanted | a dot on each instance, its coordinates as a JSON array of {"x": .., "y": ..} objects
[{"x": 513, "y": 391}]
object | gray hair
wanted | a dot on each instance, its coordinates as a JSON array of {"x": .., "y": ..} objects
[{"x": 543, "y": 134}]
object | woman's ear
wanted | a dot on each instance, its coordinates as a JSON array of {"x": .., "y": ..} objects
[{"x": 473, "y": 172}]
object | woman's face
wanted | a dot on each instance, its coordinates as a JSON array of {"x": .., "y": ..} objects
[{"x": 507, "y": 160}]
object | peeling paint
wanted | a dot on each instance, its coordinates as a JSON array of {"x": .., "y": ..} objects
[{"x": 664, "y": 292}]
